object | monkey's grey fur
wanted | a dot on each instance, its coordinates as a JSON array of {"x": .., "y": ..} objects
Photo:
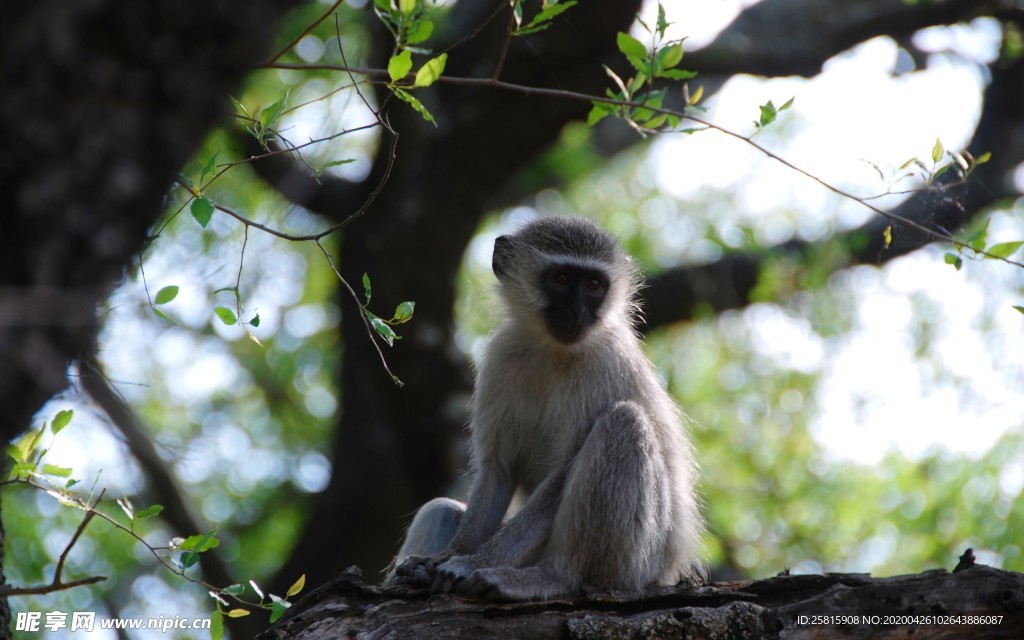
[{"x": 570, "y": 413}]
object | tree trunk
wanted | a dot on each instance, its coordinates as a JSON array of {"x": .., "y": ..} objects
[{"x": 977, "y": 602}]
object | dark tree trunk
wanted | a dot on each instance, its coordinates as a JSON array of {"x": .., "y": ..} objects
[{"x": 102, "y": 103}]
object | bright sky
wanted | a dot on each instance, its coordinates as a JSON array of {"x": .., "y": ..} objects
[{"x": 874, "y": 395}]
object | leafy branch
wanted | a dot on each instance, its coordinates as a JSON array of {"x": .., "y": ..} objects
[
  {"x": 684, "y": 115},
  {"x": 26, "y": 467}
]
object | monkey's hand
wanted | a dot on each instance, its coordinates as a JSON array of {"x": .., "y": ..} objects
[
  {"x": 418, "y": 571},
  {"x": 449, "y": 575}
]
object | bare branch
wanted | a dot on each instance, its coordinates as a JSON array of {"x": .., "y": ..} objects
[
  {"x": 58, "y": 584},
  {"x": 305, "y": 31}
]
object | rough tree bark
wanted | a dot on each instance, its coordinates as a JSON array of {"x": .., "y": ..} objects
[{"x": 925, "y": 605}]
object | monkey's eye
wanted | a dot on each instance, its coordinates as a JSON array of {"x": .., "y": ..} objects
[
  {"x": 561, "y": 278},
  {"x": 593, "y": 284}
]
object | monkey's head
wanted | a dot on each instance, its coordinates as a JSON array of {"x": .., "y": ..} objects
[{"x": 566, "y": 276}]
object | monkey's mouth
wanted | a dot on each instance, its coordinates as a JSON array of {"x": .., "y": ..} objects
[
  {"x": 567, "y": 335},
  {"x": 568, "y": 332}
]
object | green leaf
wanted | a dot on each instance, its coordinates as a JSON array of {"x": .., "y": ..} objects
[
  {"x": 54, "y": 470},
  {"x": 768, "y": 114},
  {"x": 598, "y": 112},
  {"x": 419, "y": 32},
  {"x": 61, "y": 420},
  {"x": 1003, "y": 249},
  {"x": 238, "y": 613},
  {"x": 789, "y": 103},
  {"x": 297, "y": 587},
  {"x": 166, "y": 294},
  {"x": 937, "y": 151},
  {"x": 149, "y": 512},
  {"x": 255, "y": 320},
  {"x": 194, "y": 545},
  {"x": 367, "y": 289},
  {"x": 217, "y": 625},
  {"x": 278, "y": 608},
  {"x": 276, "y": 611},
  {"x": 431, "y": 71},
  {"x": 983, "y": 158},
  {"x": 404, "y": 311},
  {"x": 399, "y": 66},
  {"x": 227, "y": 316},
  {"x": 550, "y": 12},
  {"x": 163, "y": 315},
  {"x": 333, "y": 163},
  {"x": 241, "y": 107},
  {"x": 234, "y": 590},
  {"x": 1018, "y": 308},
  {"x": 887, "y": 235},
  {"x": 953, "y": 259},
  {"x": 415, "y": 104},
  {"x": 977, "y": 236},
  {"x": 540, "y": 21},
  {"x": 670, "y": 56},
  {"x": 525, "y": 31},
  {"x": 209, "y": 167},
  {"x": 553, "y": 10},
  {"x": 269, "y": 116},
  {"x": 656, "y": 121},
  {"x": 23, "y": 448},
  {"x": 677, "y": 74},
  {"x": 383, "y": 330},
  {"x": 630, "y": 46},
  {"x": 697, "y": 95},
  {"x": 662, "y": 23},
  {"x": 202, "y": 210},
  {"x": 406, "y": 6}
]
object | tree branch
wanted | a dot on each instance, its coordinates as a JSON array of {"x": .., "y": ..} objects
[
  {"x": 161, "y": 482},
  {"x": 932, "y": 604},
  {"x": 784, "y": 37},
  {"x": 673, "y": 295},
  {"x": 58, "y": 584}
]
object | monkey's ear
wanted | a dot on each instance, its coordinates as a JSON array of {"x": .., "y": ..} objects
[{"x": 502, "y": 255}]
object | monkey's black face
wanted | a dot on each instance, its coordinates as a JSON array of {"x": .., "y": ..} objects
[{"x": 574, "y": 297}]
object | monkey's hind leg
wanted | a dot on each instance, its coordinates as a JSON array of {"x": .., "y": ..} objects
[
  {"x": 610, "y": 528},
  {"x": 430, "y": 533}
]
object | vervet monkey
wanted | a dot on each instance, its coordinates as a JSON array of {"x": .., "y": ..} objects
[{"x": 568, "y": 411}]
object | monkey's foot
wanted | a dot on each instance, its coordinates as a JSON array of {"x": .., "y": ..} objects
[{"x": 417, "y": 571}]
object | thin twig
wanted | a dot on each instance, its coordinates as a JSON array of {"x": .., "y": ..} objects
[
  {"x": 366, "y": 322},
  {"x": 92, "y": 512},
  {"x": 58, "y": 584},
  {"x": 304, "y": 32},
  {"x": 573, "y": 95},
  {"x": 505, "y": 44},
  {"x": 78, "y": 532},
  {"x": 50, "y": 588}
]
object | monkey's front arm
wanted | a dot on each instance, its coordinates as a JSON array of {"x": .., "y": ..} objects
[{"x": 517, "y": 543}]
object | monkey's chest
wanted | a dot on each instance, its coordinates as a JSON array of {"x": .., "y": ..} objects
[{"x": 552, "y": 417}]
